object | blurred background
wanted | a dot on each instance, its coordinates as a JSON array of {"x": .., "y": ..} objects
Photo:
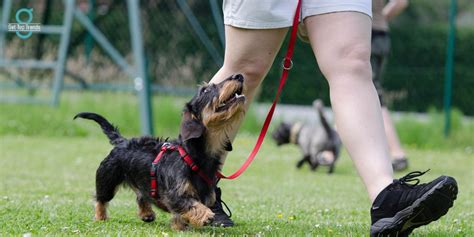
[
  {"x": 95, "y": 58},
  {"x": 183, "y": 46}
]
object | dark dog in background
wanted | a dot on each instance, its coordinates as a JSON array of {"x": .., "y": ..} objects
[
  {"x": 320, "y": 145},
  {"x": 182, "y": 189}
]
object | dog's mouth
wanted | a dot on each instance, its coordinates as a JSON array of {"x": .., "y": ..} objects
[{"x": 234, "y": 98}]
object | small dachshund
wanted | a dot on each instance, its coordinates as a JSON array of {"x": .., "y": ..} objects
[
  {"x": 320, "y": 145},
  {"x": 185, "y": 173}
]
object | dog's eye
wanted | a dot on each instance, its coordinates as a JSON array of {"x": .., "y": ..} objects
[{"x": 205, "y": 90}]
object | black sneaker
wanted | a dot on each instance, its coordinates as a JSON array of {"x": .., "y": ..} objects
[
  {"x": 221, "y": 218},
  {"x": 402, "y": 207}
]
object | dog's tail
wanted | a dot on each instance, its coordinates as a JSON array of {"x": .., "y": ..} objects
[
  {"x": 112, "y": 132},
  {"x": 318, "y": 104}
]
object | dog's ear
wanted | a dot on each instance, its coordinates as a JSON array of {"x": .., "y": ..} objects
[{"x": 190, "y": 127}]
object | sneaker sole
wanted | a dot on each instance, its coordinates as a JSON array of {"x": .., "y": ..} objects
[{"x": 434, "y": 204}]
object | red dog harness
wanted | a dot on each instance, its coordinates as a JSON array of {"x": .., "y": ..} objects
[{"x": 184, "y": 155}]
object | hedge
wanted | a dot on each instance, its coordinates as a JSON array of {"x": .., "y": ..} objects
[{"x": 413, "y": 79}]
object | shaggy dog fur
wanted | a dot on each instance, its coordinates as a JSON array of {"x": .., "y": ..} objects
[{"x": 206, "y": 119}]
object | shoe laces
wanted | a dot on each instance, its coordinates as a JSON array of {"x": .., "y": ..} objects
[
  {"x": 410, "y": 177},
  {"x": 227, "y": 208},
  {"x": 219, "y": 207}
]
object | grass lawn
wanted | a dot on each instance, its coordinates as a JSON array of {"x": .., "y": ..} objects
[{"x": 47, "y": 184}]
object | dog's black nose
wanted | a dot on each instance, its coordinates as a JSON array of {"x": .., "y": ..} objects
[{"x": 238, "y": 77}]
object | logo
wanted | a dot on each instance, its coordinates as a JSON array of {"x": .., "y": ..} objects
[{"x": 24, "y": 29}]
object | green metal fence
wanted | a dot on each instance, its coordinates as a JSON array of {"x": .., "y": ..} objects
[{"x": 183, "y": 46}]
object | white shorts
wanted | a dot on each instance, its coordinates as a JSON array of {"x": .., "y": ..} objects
[{"x": 270, "y": 14}]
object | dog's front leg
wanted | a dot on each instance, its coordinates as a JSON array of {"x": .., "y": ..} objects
[
  {"x": 313, "y": 162},
  {"x": 145, "y": 211},
  {"x": 178, "y": 223},
  {"x": 197, "y": 215},
  {"x": 301, "y": 162}
]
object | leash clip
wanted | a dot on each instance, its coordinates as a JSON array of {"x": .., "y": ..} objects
[
  {"x": 166, "y": 146},
  {"x": 287, "y": 63}
]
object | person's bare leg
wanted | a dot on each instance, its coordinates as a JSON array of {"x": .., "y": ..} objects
[
  {"x": 341, "y": 42},
  {"x": 251, "y": 53},
  {"x": 396, "y": 150}
]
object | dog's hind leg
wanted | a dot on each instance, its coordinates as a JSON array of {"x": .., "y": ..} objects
[{"x": 108, "y": 176}]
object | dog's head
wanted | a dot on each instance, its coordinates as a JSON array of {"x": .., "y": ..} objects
[
  {"x": 282, "y": 134},
  {"x": 213, "y": 111}
]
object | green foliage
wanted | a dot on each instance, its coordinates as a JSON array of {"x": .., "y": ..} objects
[
  {"x": 416, "y": 69},
  {"x": 305, "y": 82},
  {"x": 414, "y": 75},
  {"x": 428, "y": 133}
]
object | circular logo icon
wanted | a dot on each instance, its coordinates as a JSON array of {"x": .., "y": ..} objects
[{"x": 29, "y": 12}]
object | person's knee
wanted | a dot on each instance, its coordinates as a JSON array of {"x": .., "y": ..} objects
[
  {"x": 253, "y": 70},
  {"x": 349, "y": 62},
  {"x": 358, "y": 60}
]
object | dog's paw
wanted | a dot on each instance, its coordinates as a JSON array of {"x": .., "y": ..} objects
[
  {"x": 99, "y": 217},
  {"x": 199, "y": 215},
  {"x": 146, "y": 213},
  {"x": 148, "y": 218},
  {"x": 209, "y": 218},
  {"x": 177, "y": 223},
  {"x": 203, "y": 218},
  {"x": 100, "y": 212}
]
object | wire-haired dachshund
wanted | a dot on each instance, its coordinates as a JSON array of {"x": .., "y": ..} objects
[{"x": 185, "y": 172}]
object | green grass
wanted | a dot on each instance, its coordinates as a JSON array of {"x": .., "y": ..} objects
[{"x": 47, "y": 185}]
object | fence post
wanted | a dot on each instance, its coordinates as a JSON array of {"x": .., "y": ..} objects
[
  {"x": 60, "y": 66},
  {"x": 88, "y": 39},
  {"x": 142, "y": 85},
  {"x": 448, "y": 81}
]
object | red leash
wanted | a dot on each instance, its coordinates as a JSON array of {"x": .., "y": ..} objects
[{"x": 287, "y": 65}]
